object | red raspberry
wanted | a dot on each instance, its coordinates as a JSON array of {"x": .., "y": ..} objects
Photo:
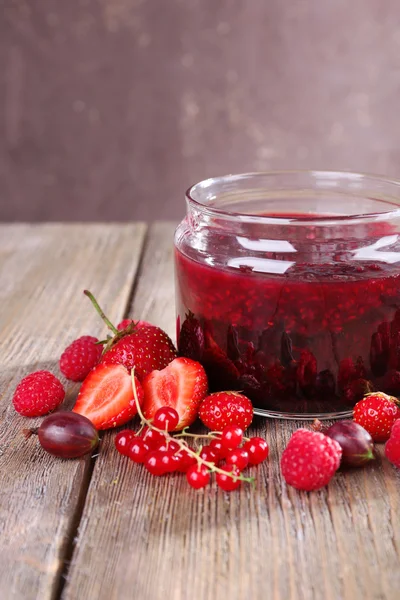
[
  {"x": 376, "y": 413},
  {"x": 80, "y": 357},
  {"x": 392, "y": 446},
  {"x": 38, "y": 394},
  {"x": 310, "y": 460}
]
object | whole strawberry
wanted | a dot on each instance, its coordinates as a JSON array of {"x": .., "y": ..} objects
[
  {"x": 129, "y": 322},
  {"x": 80, "y": 357},
  {"x": 310, "y": 460},
  {"x": 377, "y": 412},
  {"x": 144, "y": 347},
  {"x": 226, "y": 408},
  {"x": 147, "y": 349},
  {"x": 392, "y": 446},
  {"x": 38, "y": 394}
]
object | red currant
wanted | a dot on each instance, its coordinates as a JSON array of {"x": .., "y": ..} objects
[
  {"x": 208, "y": 454},
  {"x": 227, "y": 482},
  {"x": 231, "y": 437},
  {"x": 153, "y": 438},
  {"x": 138, "y": 450},
  {"x": 123, "y": 440},
  {"x": 166, "y": 418},
  {"x": 257, "y": 449},
  {"x": 154, "y": 463},
  {"x": 169, "y": 446},
  {"x": 198, "y": 476},
  {"x": 169, "y": 461},
  {"x": 238, "y": 457},
  {"x": 186, "y": 460},
  {"x": 217, "y": 447}
]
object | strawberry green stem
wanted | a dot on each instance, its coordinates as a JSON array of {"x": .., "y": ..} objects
[
  {"x": 100, "y": 312},
  {"x": 183, "y": 445}
]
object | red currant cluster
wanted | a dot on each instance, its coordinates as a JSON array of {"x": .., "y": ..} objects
[{"x": 227, "y": 454}]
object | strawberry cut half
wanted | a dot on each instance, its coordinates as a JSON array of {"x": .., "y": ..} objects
[
  {"x": 181, "y": 385},
  {"x": 106, "y": 396}
]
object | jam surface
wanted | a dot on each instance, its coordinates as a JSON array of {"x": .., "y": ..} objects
[{"x": 305, "y": 337}]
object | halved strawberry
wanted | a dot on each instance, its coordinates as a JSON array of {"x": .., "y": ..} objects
[
  {"x": 182, "y": 385},
  {"x": 106, "y": 396}
]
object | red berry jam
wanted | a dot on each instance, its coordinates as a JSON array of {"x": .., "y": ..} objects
[{"x": 301, "y": 312}]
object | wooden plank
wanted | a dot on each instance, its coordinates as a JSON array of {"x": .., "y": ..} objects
[
  {"x": 43, "y": 270},
  {"x": 155, "y": 538}
]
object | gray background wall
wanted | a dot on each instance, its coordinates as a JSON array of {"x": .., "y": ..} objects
[{"x": 109, "y": 109}]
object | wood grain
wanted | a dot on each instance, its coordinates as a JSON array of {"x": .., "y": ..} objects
[
  {"x": 43, "y": 270},
  {"x": 155, "y": 538}
]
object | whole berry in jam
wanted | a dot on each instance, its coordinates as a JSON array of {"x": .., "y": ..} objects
[
  {"x": 310, "y": 460},
  {"x": 257, "y": 449},
  {"x": 38, "y": 394},
  {"x": 227, "y": 482},
  {"x": 231, "y": 437},
  {"x": 198, "y": 476},
  {"x": 226, "y": 408},
  {"x": 376, "y": 413},
  {"x": 123, "y": 440},
  {"x": 80, "y": 357},
  {"x": 356, "y": 390},
  {"x": 191, "y": 338},
  {"x": 392, "y": 446}
]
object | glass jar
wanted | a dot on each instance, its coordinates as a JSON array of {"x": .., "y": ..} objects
[{"x": 288, "y": 288}]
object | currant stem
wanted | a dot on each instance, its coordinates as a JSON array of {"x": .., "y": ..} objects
[
  {"x": 28, "y": 432},
  {"x": 100, "y": 311},
  {"x": 211, "y": 435},
  {"x": 183, "y": 445}
]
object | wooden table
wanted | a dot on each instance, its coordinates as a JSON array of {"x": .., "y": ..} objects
[{"x": 101, "y": 527}]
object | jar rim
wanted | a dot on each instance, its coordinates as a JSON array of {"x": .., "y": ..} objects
[{"x": 383, "y": 190}]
